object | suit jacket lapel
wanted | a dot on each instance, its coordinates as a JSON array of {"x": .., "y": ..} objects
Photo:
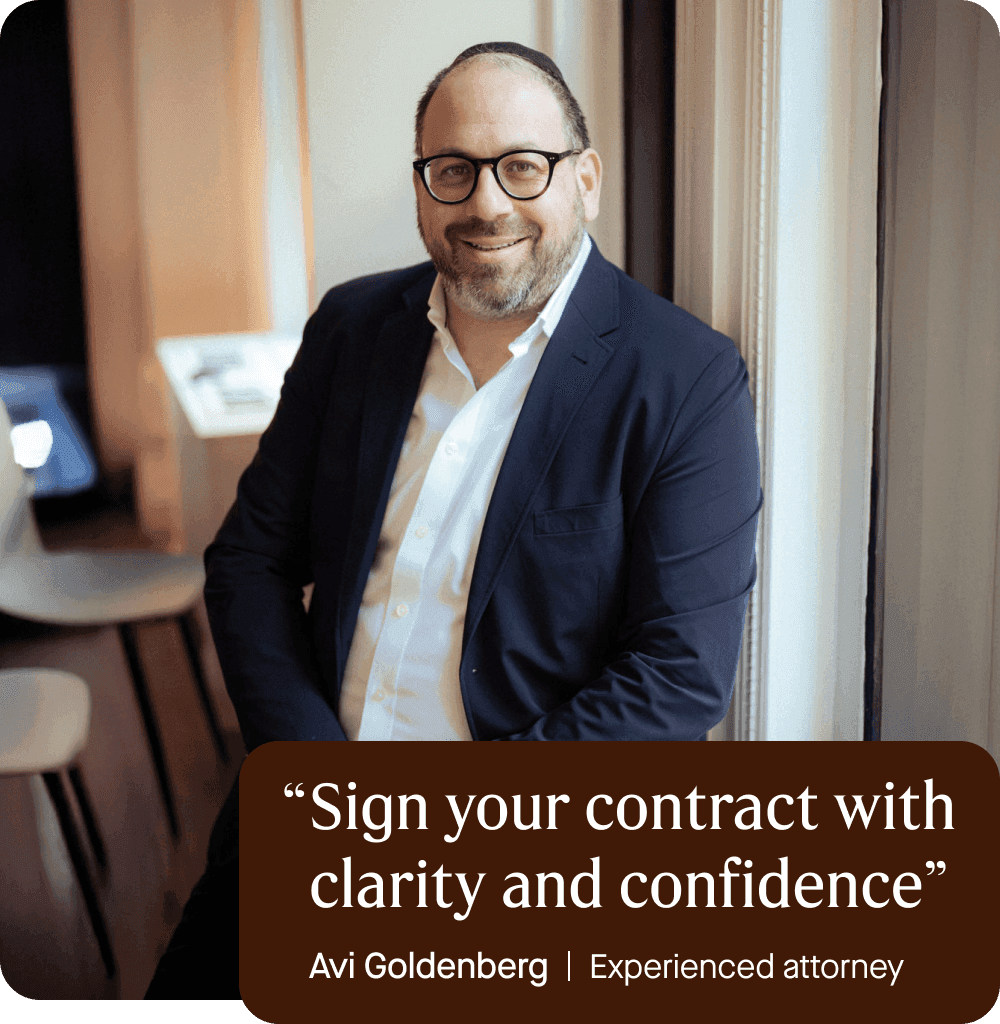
[{"x": 573, "y": 358}]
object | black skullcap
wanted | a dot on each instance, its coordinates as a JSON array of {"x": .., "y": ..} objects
[
  {"x": 540, "y": 60},
  {"x": 573, "y": 115}
]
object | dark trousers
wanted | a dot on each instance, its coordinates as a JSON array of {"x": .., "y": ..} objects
[{"x": 202, "y": 960}]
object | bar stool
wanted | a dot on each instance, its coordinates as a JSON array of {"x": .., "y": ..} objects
[
  {"x": 44, "y": 722},
  {"x": 97, "y": 588}
]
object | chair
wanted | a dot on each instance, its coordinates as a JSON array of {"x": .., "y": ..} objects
[
  {"x": 97, "y": 589},
  {"x": 44, "y": 722}
]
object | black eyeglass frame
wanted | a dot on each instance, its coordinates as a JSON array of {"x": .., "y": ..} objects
[{"x": 553, "y": 158}]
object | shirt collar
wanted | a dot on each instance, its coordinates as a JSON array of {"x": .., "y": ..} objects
[{"x": 546, "y": 321}]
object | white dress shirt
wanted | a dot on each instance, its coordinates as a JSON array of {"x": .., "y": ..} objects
[{"x": 401, "y": 678}]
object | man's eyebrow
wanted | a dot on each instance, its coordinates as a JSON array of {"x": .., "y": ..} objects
[{"x": 514, "y": 147}]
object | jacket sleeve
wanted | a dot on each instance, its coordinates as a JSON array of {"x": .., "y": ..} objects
[
  {"x": 690, "y": 568},
  {"x": 258, "y": 565}
]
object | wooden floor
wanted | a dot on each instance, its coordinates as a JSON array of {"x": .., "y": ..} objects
[{"x": 47, "y": 947}]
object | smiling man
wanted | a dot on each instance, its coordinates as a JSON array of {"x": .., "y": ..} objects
[{"x": 524, "y": 488}]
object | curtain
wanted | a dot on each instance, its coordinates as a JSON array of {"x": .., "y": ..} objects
[
  {"x": 941, "y": 329},
  {"x": 167, "y": 110}
]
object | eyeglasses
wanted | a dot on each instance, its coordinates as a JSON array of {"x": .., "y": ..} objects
[{"x": 522, "y": 173}]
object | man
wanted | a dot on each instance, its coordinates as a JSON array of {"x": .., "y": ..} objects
[{"x": 524, "y": 488}]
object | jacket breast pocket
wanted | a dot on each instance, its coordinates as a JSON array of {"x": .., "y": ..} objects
[
  {"x": 572, "y": 570},
  {"x": 579, "y": 518}
]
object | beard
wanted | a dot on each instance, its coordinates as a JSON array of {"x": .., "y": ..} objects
[{"x": 493, "y": 291}]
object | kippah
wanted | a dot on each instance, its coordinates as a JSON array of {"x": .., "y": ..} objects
[{"x": 547, "y": 64}]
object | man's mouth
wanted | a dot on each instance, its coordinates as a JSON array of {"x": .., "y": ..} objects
[{"x": 492, "y": 247}]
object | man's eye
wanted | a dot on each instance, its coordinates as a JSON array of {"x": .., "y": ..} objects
[
  {"x": 522, "y": 169},
  {"x": 453, "y": 171}
]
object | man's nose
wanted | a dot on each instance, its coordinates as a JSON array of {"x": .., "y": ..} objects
[{"x": 489, "y": 200}]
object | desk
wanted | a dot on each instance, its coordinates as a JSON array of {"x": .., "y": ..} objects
[
  {"x": 227, "y": 384},
  {"x": 224, "y": 390}
]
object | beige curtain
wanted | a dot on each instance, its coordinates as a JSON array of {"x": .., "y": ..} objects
[
  {"x": 170, "y": 167},
  {"x": 775, "y": 214},
  {"x": 941, "y": 319}
]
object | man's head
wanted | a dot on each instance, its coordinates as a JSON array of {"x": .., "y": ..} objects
[
  {"x": 501, "y": 256},
  {"x": 515, "y": 56}
]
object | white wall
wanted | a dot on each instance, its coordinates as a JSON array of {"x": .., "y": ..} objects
[
  {"x": 584, "y": 37},
  {"x": 367, "y": 63},
  {"x": 285, "y": 255}
]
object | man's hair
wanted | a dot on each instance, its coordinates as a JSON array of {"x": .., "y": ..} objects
[{"x": 514, "y": 57}]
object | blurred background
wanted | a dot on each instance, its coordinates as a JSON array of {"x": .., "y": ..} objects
[{"x": 182, "y": 180}]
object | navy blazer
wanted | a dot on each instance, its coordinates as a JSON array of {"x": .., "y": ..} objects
[{"x": 610, "y": 586}]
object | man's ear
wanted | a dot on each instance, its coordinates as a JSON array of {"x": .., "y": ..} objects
[{"x": 588, "y": 182}]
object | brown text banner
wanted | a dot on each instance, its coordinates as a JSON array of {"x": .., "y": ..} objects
[{"x": 781, "y": 879}]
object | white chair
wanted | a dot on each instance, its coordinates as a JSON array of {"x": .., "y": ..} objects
[
  {"x": 44, "y": 722},
  {"x": 99, "y": 588}
]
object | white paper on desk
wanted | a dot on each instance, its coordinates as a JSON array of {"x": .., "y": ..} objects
[{"x": 227, "y": 384}]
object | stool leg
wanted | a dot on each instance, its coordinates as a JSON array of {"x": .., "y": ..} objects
[
  {"x": 127, "y": 634},
  {"x": 184, "y": 622},
  {"x": 89, "y": 821},
  {"x": 58, "y": 796}
]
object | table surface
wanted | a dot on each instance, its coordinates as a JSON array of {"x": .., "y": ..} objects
[{"x": 227, "y": 384}]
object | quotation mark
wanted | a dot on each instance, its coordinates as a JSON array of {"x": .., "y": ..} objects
[
  {"x": 299, "y": 791},
  {"x": 930, "y": 867}
]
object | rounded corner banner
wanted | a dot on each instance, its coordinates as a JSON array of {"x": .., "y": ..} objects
[{"x": 819, "y": 881}]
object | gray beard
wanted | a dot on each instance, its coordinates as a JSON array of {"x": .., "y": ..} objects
[{"x": 495, "y": 292}]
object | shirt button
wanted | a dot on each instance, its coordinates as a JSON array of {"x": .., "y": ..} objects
[
  {"x": 400, "y": 610},
  {"x": 421, "y": 531},
  {"x": 450, "y": 448},
  {"x": 378, "y": 695}
]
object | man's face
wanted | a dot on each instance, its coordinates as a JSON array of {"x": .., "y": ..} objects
[{"x": 502, "y": 257}]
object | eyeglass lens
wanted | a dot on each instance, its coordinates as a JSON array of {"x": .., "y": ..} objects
[{"x": 451, "y": 178}]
